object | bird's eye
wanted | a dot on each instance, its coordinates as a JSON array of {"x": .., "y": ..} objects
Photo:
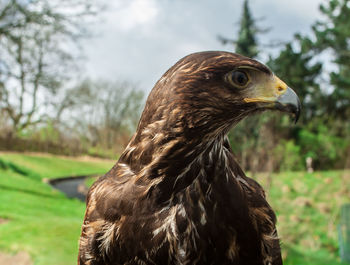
[{"x": 239, "y": 78}]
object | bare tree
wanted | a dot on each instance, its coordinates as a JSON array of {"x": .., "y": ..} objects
[
  {"x": 105, "y": 113},
  {"x": 38, "y": 47}
]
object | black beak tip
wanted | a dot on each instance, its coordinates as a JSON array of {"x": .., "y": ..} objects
[
  {"x": 297, "y": 111},
  {"x": 296, "y": 117}
]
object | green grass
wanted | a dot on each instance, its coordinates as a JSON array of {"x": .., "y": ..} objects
[
  {"x": 49, "y": 166},
  {"x": 42, "y": 221},
  {"x": 308, "y": 207}
]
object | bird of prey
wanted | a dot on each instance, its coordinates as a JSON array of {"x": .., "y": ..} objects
[{"x": 177, "y": 194}]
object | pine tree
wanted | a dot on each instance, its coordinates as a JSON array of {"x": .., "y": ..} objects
[
  {"x": 299, "y": 72},
  {"x": 246, "y": 43},
  {"x": 334, "y": 34}
]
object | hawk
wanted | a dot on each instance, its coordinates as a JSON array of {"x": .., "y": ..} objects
[{"x": 177, "y": 194}]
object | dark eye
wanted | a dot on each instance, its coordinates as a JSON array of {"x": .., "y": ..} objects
[{"x": 239, "y": 78}]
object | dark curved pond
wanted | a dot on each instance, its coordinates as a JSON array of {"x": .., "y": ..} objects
[{"x": 73, "y": 187}]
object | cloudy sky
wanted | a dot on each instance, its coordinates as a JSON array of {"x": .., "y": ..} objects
[{"x": 138, "y": 40}]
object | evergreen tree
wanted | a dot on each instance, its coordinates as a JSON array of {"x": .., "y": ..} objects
[
  {"x": 334, "y": 34},
  {"x": 295, "y": 66},
  {"x": 297, "y": 70},
  {"x": 246, "y": 43}
]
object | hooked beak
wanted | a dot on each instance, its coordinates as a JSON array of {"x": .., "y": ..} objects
[
  {"x": 275, "y": 94},
  {"x": 289, "y": 102}
]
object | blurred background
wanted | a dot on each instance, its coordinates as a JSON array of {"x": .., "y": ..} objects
[{"x": 74, "y": 77}]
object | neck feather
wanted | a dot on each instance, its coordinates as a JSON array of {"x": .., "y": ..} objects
[{"x": 168, "y": 164}]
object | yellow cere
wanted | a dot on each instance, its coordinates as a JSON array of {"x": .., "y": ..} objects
[
  {"x": 281, "y": 87},
  {"x": 272, "y": 89}
]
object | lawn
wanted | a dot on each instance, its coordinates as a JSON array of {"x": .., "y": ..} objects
[
  {"x": 50, "y": 166},
  {"x": 45, "y": 224},
  {"x": 308, "y": 208},
  {"x": 41, "y": 221}
]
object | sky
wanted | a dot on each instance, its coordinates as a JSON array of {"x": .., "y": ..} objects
[{"x": 138, "y": 40}]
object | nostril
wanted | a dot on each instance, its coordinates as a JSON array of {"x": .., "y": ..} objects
[{"x": 280, "y": 89}]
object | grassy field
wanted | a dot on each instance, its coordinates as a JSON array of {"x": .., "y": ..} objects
[
  {"x": 41, "y": 221},
  {"x": 308, "y": 207},
  {"x": 45, "y": 224}
]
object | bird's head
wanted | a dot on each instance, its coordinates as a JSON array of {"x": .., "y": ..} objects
[{"x": 211, "y": 91}]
